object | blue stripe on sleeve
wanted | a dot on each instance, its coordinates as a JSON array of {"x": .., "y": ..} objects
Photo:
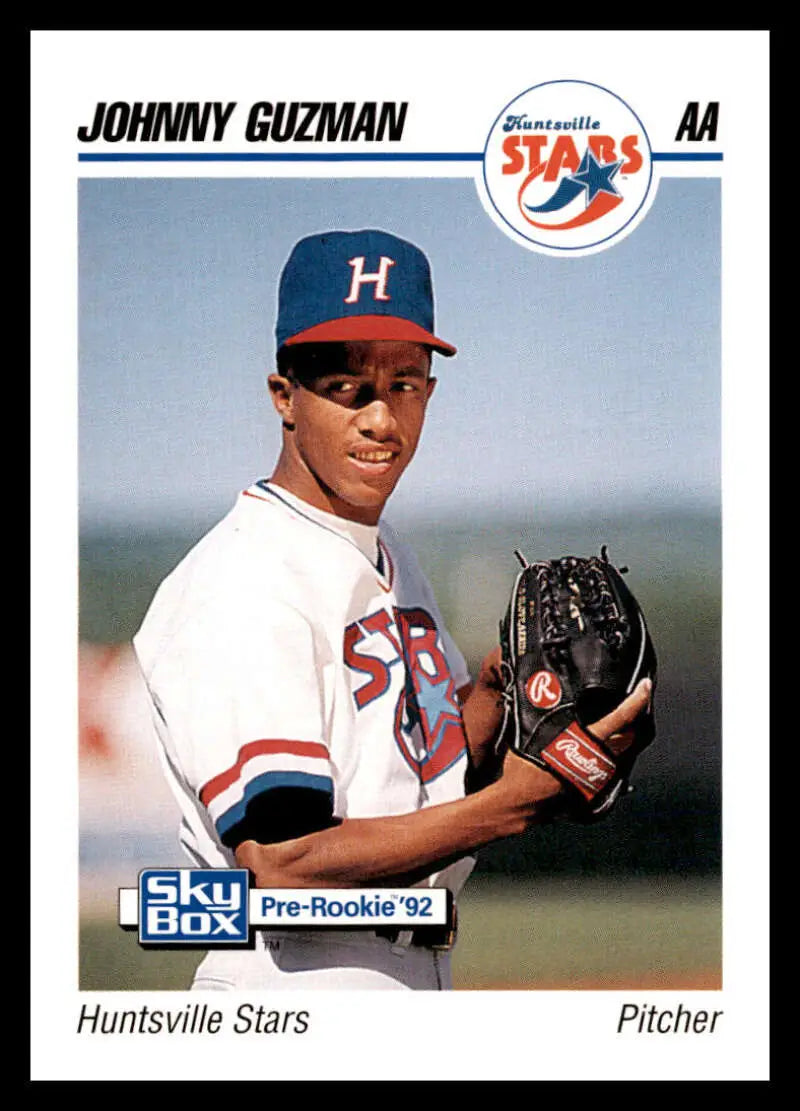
[{"x": 265, "y": 782}]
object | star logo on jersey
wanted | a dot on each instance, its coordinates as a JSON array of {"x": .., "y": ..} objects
[
  {"x": 427, "y": 717},
  {"x": 437, "y": 702}
]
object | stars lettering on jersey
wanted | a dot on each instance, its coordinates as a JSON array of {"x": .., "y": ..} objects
[
  {"x": 596, "y": 177},
  {"x": 437, "y": 701},
  {"x": 427, "y": 723}
]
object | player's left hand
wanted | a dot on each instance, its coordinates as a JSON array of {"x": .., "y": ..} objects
[{"x": 574, "y": 641}]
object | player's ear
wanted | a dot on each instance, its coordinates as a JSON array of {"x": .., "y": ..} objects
[{"x": 282, "y": 394}]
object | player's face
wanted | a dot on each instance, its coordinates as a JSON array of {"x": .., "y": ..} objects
[{"x": 353, "y": 421}]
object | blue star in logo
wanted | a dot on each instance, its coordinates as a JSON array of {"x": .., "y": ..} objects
[
  {"x": 437, "y": 700},
  {"x": 596, "y": 176}
]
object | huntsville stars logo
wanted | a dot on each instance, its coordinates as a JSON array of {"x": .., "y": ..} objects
[{"x": 567, "y": 167}]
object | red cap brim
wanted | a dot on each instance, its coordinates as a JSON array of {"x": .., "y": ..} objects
[{"x": 370, "y": 327}]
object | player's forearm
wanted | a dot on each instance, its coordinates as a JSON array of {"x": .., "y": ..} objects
[
  {"x": 482, "y": 714},
  {"x": 368, "y": 850}
]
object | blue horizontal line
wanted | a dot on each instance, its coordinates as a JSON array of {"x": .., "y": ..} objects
[
  {"x": 695, "y": 156},
  {"x": 339, "y": 156},
  {"x": 247, "y": 156}
]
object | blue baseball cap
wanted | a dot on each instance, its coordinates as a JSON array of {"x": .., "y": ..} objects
[{"x": 356, "y": 285}]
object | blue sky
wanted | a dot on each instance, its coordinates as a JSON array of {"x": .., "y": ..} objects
[{"x": 582, "y": 382}]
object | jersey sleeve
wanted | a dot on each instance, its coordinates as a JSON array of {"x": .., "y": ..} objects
[{"x": 241, "y": 693}]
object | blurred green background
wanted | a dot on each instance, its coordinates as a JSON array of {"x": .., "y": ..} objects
[
  {"x": 633, "y": 900},
  {"x": 671, "y": 821}
]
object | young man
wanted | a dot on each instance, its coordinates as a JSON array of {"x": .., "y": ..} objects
[{"x": 317, "y": 722}]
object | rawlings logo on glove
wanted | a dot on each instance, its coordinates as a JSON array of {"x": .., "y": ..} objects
[{"x": 574, "y": 644}]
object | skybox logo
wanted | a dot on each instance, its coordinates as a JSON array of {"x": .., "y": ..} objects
[
  {"x": 195, "y": 906},
  {"x": 567, "y": 165}
]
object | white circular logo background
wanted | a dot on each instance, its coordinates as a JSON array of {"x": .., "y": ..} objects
[
  {"x": 568, "y": 166},
  {"x": 544, "y": 689}
]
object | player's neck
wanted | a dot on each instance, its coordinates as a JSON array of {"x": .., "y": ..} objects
[{"x": 290, "y": 475}]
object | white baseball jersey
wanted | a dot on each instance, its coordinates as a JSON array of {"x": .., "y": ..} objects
[{"x": 294, "y": 649}]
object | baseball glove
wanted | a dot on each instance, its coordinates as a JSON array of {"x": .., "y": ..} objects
[{"x": 574, "y": 644}]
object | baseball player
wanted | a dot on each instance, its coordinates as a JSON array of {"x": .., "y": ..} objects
[{"x": 316, "y": 721}]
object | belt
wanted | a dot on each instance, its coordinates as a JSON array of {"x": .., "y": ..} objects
[{"x": 440, "y": 938}]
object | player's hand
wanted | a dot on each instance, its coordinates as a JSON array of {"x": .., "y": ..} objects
[
  {"x": 614, "y": 729},
  {"x": 490, "y": 676},
  {"x": 537, "y": 794},
  {"x": 482, "y": 709}
]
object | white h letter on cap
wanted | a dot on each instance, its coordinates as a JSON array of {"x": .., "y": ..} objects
[{"x": 359, "y": 276}]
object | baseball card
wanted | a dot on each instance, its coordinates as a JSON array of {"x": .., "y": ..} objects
[{"x": 410, "y": 394}]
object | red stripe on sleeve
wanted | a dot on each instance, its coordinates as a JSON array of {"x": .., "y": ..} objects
[{"x": 218, "y": 784}]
